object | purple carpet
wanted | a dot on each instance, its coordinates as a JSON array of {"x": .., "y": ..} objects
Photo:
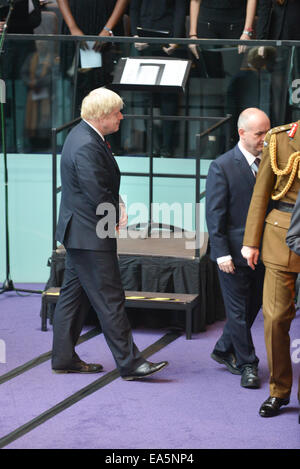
[{"x": 193, "y": 403}]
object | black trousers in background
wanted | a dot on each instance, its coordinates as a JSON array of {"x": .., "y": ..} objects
[
  {"x": 92, "y": 278},
  {"x": 242, "y": 295},
  {"x": 219, "y": 29}
]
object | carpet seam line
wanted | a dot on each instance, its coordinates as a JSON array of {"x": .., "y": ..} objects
[{"x": 82, "y": 393}]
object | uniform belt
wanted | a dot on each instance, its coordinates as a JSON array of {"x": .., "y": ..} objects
[{"x": 284, "y": 206}]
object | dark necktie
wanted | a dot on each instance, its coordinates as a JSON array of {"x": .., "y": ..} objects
[
  {"x": 109, "y": 148},
  {"x": 255, "y": 165}
]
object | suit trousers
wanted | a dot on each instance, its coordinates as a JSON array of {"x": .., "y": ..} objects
[
  {"x": 279, "y": 311},
  {"x": 92, "y": 278},
  {"x": 242, "y": 295}
]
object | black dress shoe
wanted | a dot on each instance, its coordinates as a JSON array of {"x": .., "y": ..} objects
[
  {"x": 249, "y": 377},
  {"x": 228, "y": 360},
  {"x": 144, "y": 370},
  {"x": 81, "y": 367},
  {"x": 271, "y": 406}
]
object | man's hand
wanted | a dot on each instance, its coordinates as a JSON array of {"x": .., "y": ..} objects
[
  {"x": 251, "y": 255},
  {"x": 98, "y": 46},
  {"x": 140, "y": 45},
  {"x": 75, "y": 31},
  {"x": 170, "y": 49},
  {"x": 193, "y": 49},
  {"x": 123, "y": 217},
  {"x": 227, "y": 267},
  {"x": 242, "y": 49}
]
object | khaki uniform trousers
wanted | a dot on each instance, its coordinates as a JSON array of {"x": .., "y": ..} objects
[{"x": 278, "y": 312}]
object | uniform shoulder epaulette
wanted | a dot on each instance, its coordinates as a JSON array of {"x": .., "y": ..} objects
[
  {"x": 292, "y": 165},
  {"x": 281, "y": 128}
]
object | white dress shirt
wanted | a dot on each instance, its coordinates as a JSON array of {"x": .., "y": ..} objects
[{"x": 96, "y": 130}]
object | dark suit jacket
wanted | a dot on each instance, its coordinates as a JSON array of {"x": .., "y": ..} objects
[
  {"x": 293, "y": 234},
  {"x": 89, "y": 176},
  {"x": 229, "y": 188}
]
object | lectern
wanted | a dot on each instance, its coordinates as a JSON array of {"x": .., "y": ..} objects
[{"x": 151, "y": 75}]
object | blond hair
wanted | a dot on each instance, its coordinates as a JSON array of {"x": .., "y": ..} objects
[{"x": 100, "y": 102}]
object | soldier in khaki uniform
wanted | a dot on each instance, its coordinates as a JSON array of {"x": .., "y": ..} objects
[{"x": 278, "y": 179}]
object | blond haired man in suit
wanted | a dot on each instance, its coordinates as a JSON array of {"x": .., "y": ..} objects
[{"x": 90, "y": 180}]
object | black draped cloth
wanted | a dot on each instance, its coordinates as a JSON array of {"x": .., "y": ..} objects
[{"x": 160, "y": 274}]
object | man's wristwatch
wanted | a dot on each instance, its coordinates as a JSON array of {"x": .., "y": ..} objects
[{"x": 249, "y": 32}]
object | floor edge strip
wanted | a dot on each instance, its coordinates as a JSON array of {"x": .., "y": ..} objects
[{"x": 43, "y": 358}]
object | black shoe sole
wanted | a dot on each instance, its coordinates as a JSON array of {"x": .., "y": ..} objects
[
  {"x": 132, "y": 378},
  {"x": 77, "y": 371},
  {"x": 220, "y": 360},
  {"x": 269, "y": 415}
]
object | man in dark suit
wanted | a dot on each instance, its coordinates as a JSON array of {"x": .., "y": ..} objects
[
  {"x": 229, "y": 187},
  {"x": 90, "y": 213}
]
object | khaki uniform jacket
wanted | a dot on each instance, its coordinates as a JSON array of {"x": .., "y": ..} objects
[{"x": 275, "y": 252}]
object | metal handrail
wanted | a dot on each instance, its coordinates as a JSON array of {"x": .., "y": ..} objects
[{"x": 152, "y": 40}]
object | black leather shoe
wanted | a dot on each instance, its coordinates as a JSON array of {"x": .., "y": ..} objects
[
  {"x": 82, "y": 367},
  {"x": 145, "y": 370},
  {"x": 271, "y": 406},
  {"x": 228, "y": 360},
  {"x": 249, "y": 378}
]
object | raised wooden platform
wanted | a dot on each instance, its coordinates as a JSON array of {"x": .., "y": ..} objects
[{"x": 139, "y": 299}]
